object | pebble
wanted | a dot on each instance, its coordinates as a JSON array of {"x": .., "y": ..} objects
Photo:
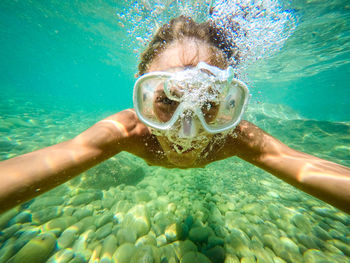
[
  {"x": 8, "y": 249},
  {"x": 25, "y": 237},
  {"x": 104, "y": 231},
  {"x": 194, "y": 257},
  {"x": 67, "y": 237},
  {"x": 109, "y": 246},
  {"x": 217, "y": 254},
  {"x": 124, "y": 253},
  {"x": 45, "y": 202},
  {"x": 146, "y": 240},
  {"x": 22, "y": 217},
  {"x": 177, "y": 231},
  {"x": 6, "y": 217},
  {"x": 314, "y": 256},
  {"x": 8, "y": 232},
  {"x": 137, "y": 219},
  {"x": 199, "y": 234},
  {"x": 80, "y": 213},
  {"x": 37, "y": 250},
  {"x": 107, "y": 203},
  {"x": 102, "y": 220},
  {"x": 84, "y": 198},
  {"x": 345, "y": 248},
  {"x": 142, "y": 196},
  {"x": 62, "y": 256},
  {"x": 146, "y": 254},
  {"x": 182, "y": 247},
  {"x": 301, "y": 222},
  {"x": 126, "y": 235},
  {"x": 60, "y": 223},
  {"x": 46, "y": 214}
]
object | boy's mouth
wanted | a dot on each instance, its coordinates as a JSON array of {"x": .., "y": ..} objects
[{"x": 179, "y": 149}]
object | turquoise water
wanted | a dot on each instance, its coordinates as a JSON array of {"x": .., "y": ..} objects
[{"x": 65, "y": 66}]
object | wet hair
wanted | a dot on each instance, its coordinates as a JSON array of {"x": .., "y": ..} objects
[{"x": 185, "y": 27}]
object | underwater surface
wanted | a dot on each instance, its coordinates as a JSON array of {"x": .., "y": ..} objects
[{"x": 67, "y": 64}]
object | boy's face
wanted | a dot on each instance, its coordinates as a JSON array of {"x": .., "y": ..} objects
[{"x": 177, "y": 57}]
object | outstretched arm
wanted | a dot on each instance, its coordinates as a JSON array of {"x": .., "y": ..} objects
[
  {"x": 323, "y": 179},
  {"x": 31, "y": 174}
]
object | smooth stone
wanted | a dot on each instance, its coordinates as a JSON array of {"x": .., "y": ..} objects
[
  {"x": 45, "y": 202},
  {"x": 68, "y": 210},
  {"x": 248, "y": 259},
  {"x": 25, "y": 237},
  {"x": 171, "y": 208},
  {"x": 122, "y": 206},
  {"x": 286, "y": 249},
  {"x": 307, "y": 241},
  {"x": 104, "y": 219},
  {"x": 44, "y": 215},
  {"x": 146, "y": 240},
  {"x": 289, "y": 245},
  {"x": 302, "y": 223},
  {"x": 278, "y": 260},
  {"x": 104, "y": 231},
  {"x": 84, "y": 198},
  {"x": 177, "y": 231},
  {"x": 142, "y": 196},
  {"x": 119, "y": 217},
  {"x": 67, "y": 237},
  {"x": 85, "y": 223},
  {"x": 199, "y": 234},
  {"x": 95, "y": 256},
  {"x": 107, "y": 203},
  {"x": 231, "y": 259},
  {"x": 189, "y": 221},
  {"x": 37, "y": 250},
  {"x": 137, "y": 219},
  {"x": 314, "y": 256},
  {"x": 80, "y": 258},
  {"x": 146, "y": 254},
  {"x": 80, "y": 244},
  {"x": 262, "y": 256},
  {"x": 237, "y": 238},
  {"x": 321, "y": 233},
  {"x": 215, "y": 241},
  {"x": 109, "y": 246},
  {"x": 124, "y": 253},
  {"x": 183, "y": 247},
  {"x": 340, "y": 245},
  {"x": 160, "y": 222},
  {"x": 126, "y": 235},
  {"x": 81, "y": 213},
  {"x": 6, "y": 217},
  {"x": 8, "y": 232},
  {"x": 167, "y": 254},
  {"x": 216, "y": 254},
  {"x": 62, "y": 256},
  {"x": 7, "y": 250},
  {"x": 216, "y": 216},
  {"x": 194, "y": 257},
  {"x": 22, "y": 217},
  {"x": 60, "y": 223},
  {"x": 161, "y": 240}
]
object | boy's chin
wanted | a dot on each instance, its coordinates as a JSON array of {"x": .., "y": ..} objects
[{"x": 183, "y": 160}]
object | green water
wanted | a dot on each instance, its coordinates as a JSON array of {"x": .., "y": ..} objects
[{"x": 66, "y": 65}]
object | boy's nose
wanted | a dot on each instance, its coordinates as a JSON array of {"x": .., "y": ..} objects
[{"x": 188, "y": 127}]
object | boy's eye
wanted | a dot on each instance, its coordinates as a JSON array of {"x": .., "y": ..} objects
[
  {"x": 208, "y": 105},
  {"x": 166, "y": 101}
]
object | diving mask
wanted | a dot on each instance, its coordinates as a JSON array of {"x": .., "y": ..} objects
[{"x": 204, "y": 94}]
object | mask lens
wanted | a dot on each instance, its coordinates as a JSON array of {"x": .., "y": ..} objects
[
  {"x": 153, "y": 102},
  {"x": 228, "y": 111}
]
